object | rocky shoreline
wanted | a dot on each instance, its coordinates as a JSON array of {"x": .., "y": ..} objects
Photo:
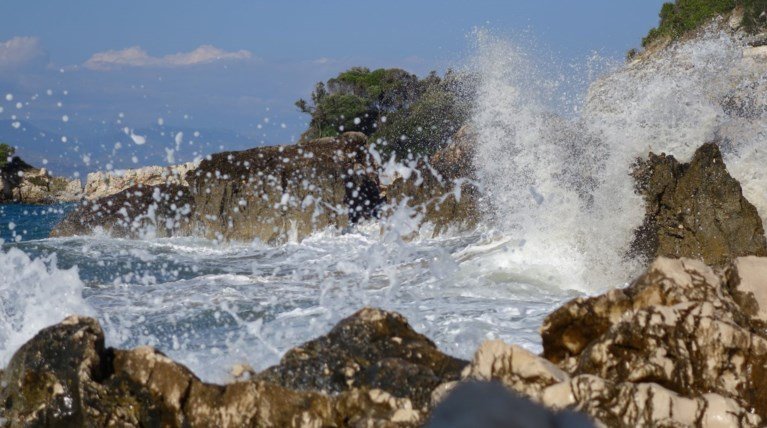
[{"x": 684, "y": 345}]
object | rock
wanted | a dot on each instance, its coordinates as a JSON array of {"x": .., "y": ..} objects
[
  {"x": 490, "y": 405},
  {"x": 695, "y": 210},
  {"x": 443, "y": 188},
  {"x": 283, "y": 193},
  {"x": 137, "y": 212},
  {"x": 23, "y": 183},
  {"x": 370, "y": 349},
  {"x": 102, "y": 184},
  {"x": 683, "y": 334},
  {"x": 65, "y": 376}
]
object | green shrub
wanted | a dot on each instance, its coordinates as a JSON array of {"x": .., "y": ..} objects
[
  {"x": 403, "y": 113},
  {"x": 6, "y": 152},
  {"x": 683, "y": 16}
]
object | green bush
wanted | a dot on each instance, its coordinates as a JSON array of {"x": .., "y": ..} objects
[
  {"x": 683, "y": 16},
  {"x": 401, "y": 112},
  {"x": 6, "y": 152}
]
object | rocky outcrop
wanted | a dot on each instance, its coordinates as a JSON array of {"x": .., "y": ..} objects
[
  {"x": 370, "y": 349},
  {"x": 23, "y": 183},
  {"x": 139, "y": 211},
  {"x": 282, "y": 193},
  {"x": 103, "y": 184},
  {"x": 681, "y": 346},
  {"x": 65, "y": 376},
  {"x": 695, "y": 210},
  {"x": 442, "y": 188}
]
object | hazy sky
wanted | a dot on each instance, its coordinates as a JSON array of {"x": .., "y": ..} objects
[{"x": 232, "y": 64}]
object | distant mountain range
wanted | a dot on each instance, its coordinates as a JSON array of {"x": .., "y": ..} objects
[{"x": 70, "y": 149}]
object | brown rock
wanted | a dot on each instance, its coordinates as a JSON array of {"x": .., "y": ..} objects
[
  {"x": 161, "y": 211},
  {"x": 370, "y": 349},
  {"x": 695, "y": 210}
]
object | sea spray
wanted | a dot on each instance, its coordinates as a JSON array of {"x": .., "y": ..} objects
[
  {"x": 34, "y": 293},
  {"x": 561, "y": 185}
]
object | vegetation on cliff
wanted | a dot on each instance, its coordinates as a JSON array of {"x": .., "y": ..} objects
[
  {"x": 683, "y": 16},
  {"x": 399, "y": 110},
  {"x": 6, "y": 152}
]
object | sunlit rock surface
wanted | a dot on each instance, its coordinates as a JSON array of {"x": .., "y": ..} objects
[
  {"x": 23, "y": 183},
  {"x": 696, "y": 210},
  {"x": 103, "y": 184},
  {"x": 280, "y": 194},
  {"x": 678, "y": 346}
]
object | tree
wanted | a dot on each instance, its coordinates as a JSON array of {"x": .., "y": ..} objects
[{"x": 6, "y": 152}]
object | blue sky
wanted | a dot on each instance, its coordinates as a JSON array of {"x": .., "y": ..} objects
[{"x": 230, "y": 65}]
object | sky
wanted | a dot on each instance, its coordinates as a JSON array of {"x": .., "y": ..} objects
[{"x": 230, "y": 70}]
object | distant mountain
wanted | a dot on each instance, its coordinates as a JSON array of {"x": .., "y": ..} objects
[{"x": 69, "y": 148}]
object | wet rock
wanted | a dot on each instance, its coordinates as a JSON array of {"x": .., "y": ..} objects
[
  {"x": 23, "y": 183},
  {"x": 695, "y": 210},
  {"x": 746, "y": 280},
  {"x": 442, "y": 188},
  {"x": 370, "y": 349},
  {"x": 137, "y": 212},
  {"x": 283, "y": 193},
  {"x": 66, "y": 377},
  {"x": 103, "y": 184},
  {"x": 490, "y": 405}
]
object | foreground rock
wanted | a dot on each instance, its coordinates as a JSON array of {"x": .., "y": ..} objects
[
  {"x": 696, "y": 210},
  {"x": 104, "y": 184},
  {"x": 684, "y": 345},
  {"x": 23, "y": 183},
  {"x": 372, "y": 349},
  {"x": 361, "y": 374}
]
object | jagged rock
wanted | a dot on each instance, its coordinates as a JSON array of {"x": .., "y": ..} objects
[
  {"x": 65, "y": 376},
  {"x": 154, "y": 211},
  {"x": 276, "y": 194},
  {"x": 372, "y": 349},
  {"x": 103, "y": 184},
  {"x": 695, "y": 210},
  {"x": 682, "y": 334},
  {"x": 23, "y": 183}
]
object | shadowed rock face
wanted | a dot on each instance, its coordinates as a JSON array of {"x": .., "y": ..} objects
[
  {"x": 161, "y": 211},
  {"x": 373, "y": 349},
  {"x": 695, "y": 210}
]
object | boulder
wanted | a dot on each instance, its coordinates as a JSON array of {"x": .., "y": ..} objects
[
  {"x": 371, "y": 349},
  {"x": 137, "y": 212},
  {"x": 695, "y": 210},
  {"x": 283, "y": 193}
]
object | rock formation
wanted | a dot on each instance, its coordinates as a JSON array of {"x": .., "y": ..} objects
[
  {"x": 684, "y": 345},
  {"x": 23, "y": 183},
  {"x": 278, "y": 194},
  {"x": 66, "y": 377},
  {"x": 103, "y": 184},
  {"x": 695, "y": 210}
]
